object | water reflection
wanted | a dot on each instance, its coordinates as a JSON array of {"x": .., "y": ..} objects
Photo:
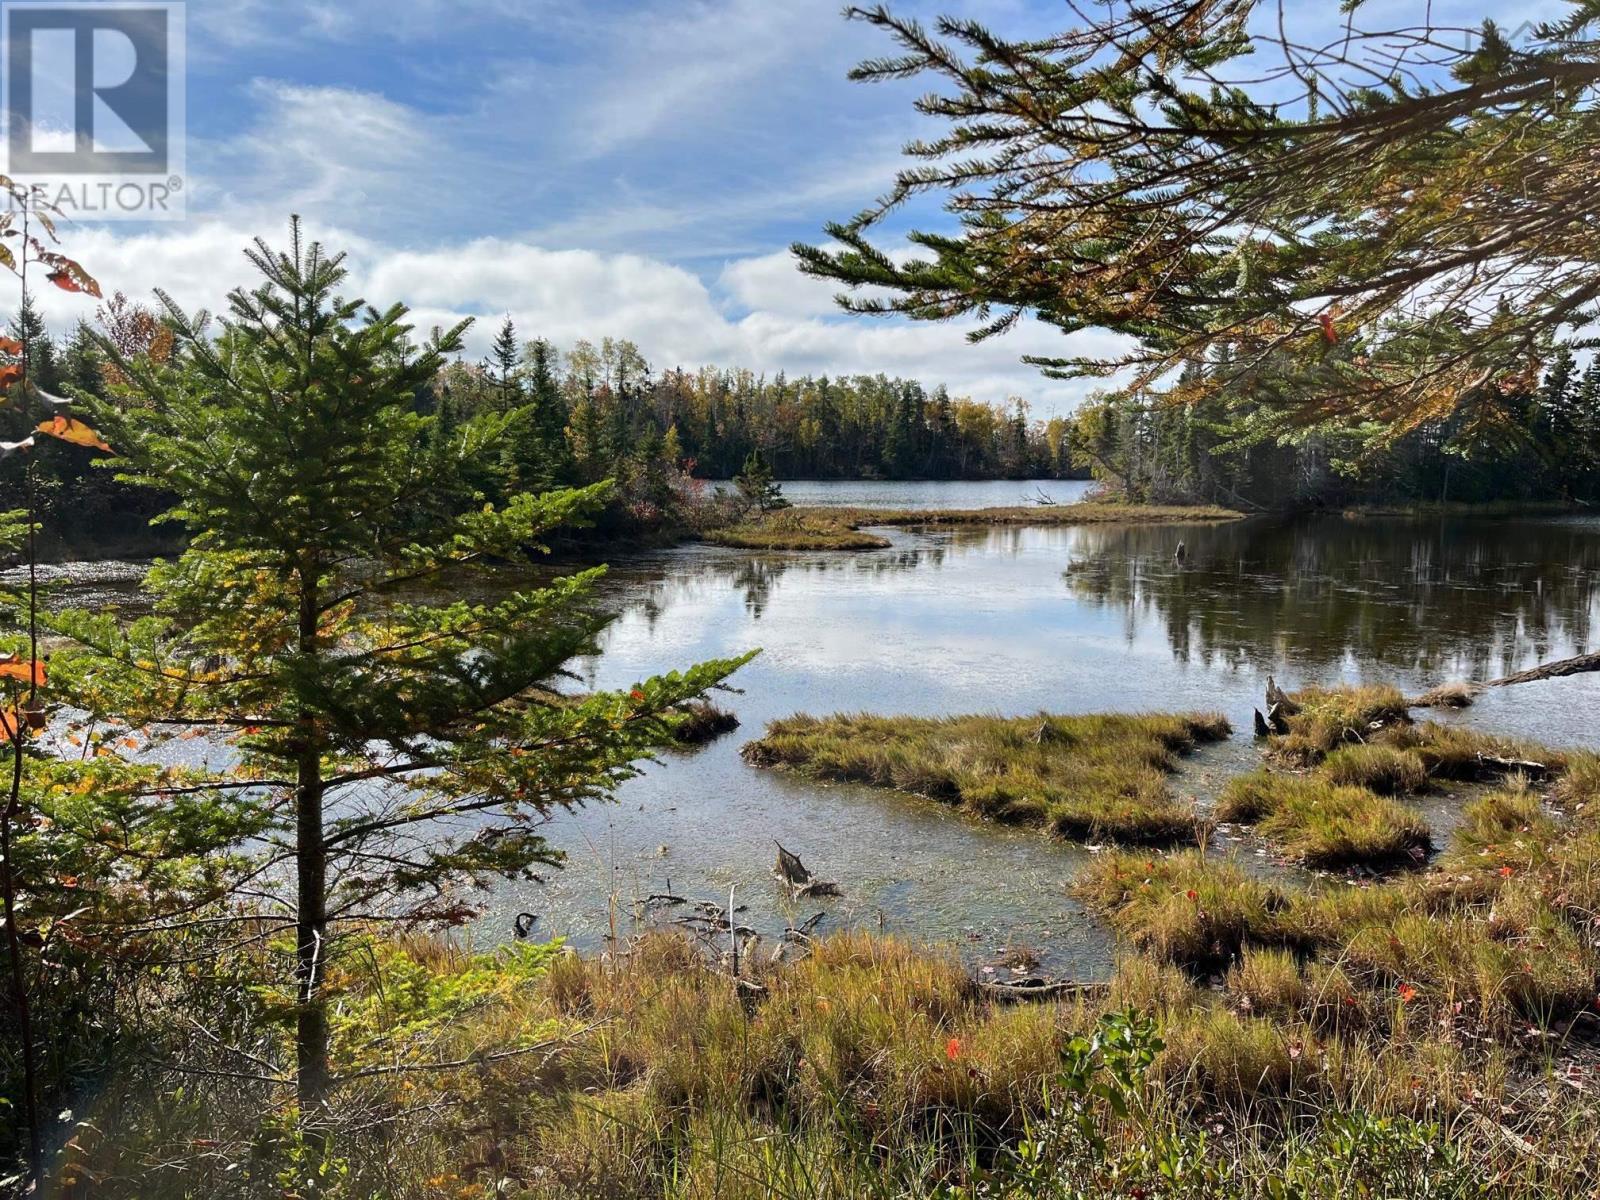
[{"x": 1452, "y": 599}]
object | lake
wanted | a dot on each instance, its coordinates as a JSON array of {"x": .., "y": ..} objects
[{"x": 1015, "y": 621}]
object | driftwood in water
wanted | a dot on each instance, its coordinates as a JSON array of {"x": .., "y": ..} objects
[
  {"x": 799, "y": 881},
  {"x": 1017, "y": 990},
  {"x": 522, "y": 926},
  {"x": 1460, "y": 695},
  {"x": 1181, "y": 553},
  {"x": 802, "y": 932},
  {"x": 1279, "y": 699},
  {"x": 1551, "y": 670},
  {"x": 1262, "y": 728}
]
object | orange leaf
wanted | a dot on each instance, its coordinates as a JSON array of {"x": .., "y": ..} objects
[
  {"x": 1328, "y": 331},
  {"x": 10, "y": 374},
  {"x": 8, "y": 722},
  {"x": 10, "y": 346},
  {"x": 1407, "y": 993},
  {"x": 952, "y": 1049},
  {"x": 12, "y": 667},
  {"x": 70, "y": 429}
]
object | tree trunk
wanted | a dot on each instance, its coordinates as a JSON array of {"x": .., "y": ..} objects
[
  {"x": 21, "y": 1013},
  {"x": 311, "y": 869}
]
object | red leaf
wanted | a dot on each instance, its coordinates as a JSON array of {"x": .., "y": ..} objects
[
  {"x": 952, "y": 1049},
  {"x": 1328, "y": 331},
  {"x": 69, "y": 281},
  {"x": 10, "y": 346}
]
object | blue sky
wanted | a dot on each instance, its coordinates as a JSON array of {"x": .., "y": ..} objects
[{"x": 634, "y": 168}]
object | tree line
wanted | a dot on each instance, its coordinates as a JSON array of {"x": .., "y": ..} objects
[
  {"x": 594, "y": 411},
  {"x": 1230, "y": 444}
]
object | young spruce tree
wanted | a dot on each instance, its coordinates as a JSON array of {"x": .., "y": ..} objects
[{"x": 400, "y": 750}]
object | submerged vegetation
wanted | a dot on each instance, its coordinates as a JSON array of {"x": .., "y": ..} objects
[{"x": 1083, "y": 777}]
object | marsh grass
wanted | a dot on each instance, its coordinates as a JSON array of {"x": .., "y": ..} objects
[
  {"x": 1376, "y": 766},
  {"x": 1424, "y": 1036},
  {"x": 1089, "y": 777},
  {"x": 1467, "y": 755},
  {"x": 1326, "y": 824},
  {"x": 876, "y": 1069},
  {"x": 797, "y": 529}
]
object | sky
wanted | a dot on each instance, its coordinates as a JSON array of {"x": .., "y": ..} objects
[{"x": 625, "y": 168}]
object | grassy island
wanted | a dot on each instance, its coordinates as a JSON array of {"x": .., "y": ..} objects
[
  {"x": 818, "y": 528},
  {"x": 1090, "y": 777}
]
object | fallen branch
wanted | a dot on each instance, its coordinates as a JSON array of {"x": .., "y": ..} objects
[
  {"x": 1016, "y": 991},
  {"x": 1551, "y": 670}
]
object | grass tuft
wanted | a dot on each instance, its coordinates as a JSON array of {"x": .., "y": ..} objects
[
  {"x": 1381, "y": 768},
  {"x": 1326, "y": 824},
  {"x": 702, "y": 722},
  {"x": 1448, "y": 695}
]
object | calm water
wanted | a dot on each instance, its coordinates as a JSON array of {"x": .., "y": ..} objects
[
  {"x": 933, "y": 494},
  {"x": 1014, "y": 621}
]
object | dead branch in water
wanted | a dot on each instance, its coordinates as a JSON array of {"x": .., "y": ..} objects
[{"x": 1551, "y": 670}]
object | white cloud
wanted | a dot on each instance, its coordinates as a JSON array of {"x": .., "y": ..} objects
[
  {"x": 676, "y": 319},
  {"x": 773, "y": 283}
]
